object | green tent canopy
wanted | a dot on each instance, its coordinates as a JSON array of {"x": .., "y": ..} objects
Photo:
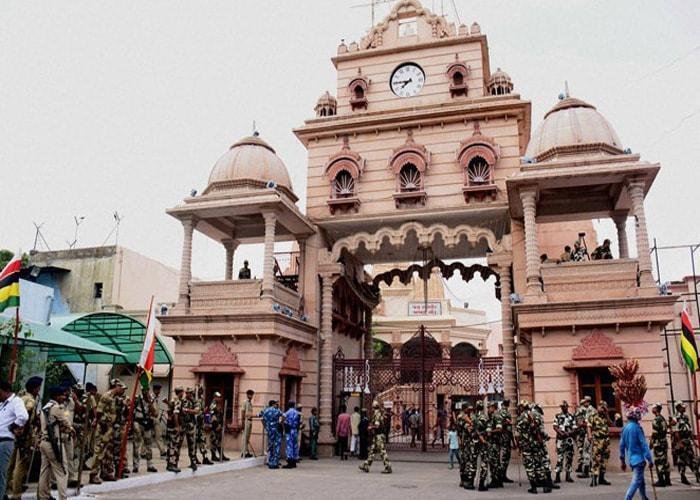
[
  {"x": 112, "y": 330},
  {"x": 60, "y": 345}
]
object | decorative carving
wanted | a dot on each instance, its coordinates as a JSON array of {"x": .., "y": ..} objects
[
  {"x": 343, "y": 170},
  {"x": 596, "y": 346},
  {"x": 218, "y": 359},
  {"x": 426, "y": 236},
  {"x": 291, "y": 365}
]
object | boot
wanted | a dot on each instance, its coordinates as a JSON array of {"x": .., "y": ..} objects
[
  {"x": 151, "y": 468},
  {"x": 206, "y": 461},
  {"x": 193, "y": 466},
  {"x": 215, "y": 456},
  {"x": 224, "y": 458},
  {"x": 579, "y": 468},
  {"x": 548, "y": 482},
  {"x": 557, "y": 478},
  {"x": 584, "y": 474},
  {"x": 684, "y": 479},
  {"x": 135, "y": 469},
  {"x": 172, "y": 468},
  {"x": 568, "y": 477},
  {"x": 505, "y": 479},
  {"x": 661, "y": 482},
  {"x": 468, "y": 483},
  {"x": 108, "y": 477},
  {"x": 364, "y": 468},
  {"x": 482, "y": 487},
  {"x": 533, "y": 487},
  {"x": 387, "y": 470},
  {"x": 602, "y": 480},
  {"x": 594, "y": 480},
  {"x": 667, "y": 475},
  {"x": 697, "y": 476},
  {"x": 94, "y": 479}
]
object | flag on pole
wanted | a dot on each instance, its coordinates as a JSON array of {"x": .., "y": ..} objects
[
  {"x": 9, "y": 285},
  {"x": 148, "y": 354},
  {"x": 689, "y": 348}
]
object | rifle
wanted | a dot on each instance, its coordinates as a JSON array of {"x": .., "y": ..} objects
[
  {"x": 55, "y": 443},
  {"x": 81, "y": 464}
]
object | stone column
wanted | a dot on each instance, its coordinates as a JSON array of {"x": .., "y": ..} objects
[
  {"x": 621, "y": 224},
  {"x": 268, "y": 284},
  {"x": 635, "y": 189},
  {"x": 528, "y": 197},
  {"x": 188, "y": 225},
  {"x": 369, "y": 351},
  {"x": 230, "y": 246},
  {"x": 301, "y": 271},
  {"x": 326, "y": 352},
  {"x": 509, "y": 388}
]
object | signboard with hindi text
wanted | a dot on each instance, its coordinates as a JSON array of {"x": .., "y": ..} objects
[{"x": 419, "y": 309}]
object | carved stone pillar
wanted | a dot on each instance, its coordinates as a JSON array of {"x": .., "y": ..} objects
[
  {"x": 268, "y": 284},
  {"x": 188, "y": 225},
  {"x": 635, "y": 188},
  {"x": 509, "y": 388},
  {"x": 528, "y": 197},
  {"x": 326, "y": 371},
  {"x": 230, "y": 246},
  {"x": 369, "y": 351},
  {"x": 621, "y": 225}
]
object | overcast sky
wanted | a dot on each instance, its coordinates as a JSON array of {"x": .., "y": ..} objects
[{"x": 126, "y": 105}]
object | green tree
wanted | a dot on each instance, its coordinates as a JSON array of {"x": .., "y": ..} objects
[{"x": 6, "y": 256}]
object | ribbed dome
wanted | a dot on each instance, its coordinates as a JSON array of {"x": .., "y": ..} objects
[
  {"x": 250, "y": 161},
  {"x": 571, "y": 127}
]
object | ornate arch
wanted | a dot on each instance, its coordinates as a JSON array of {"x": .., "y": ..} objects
[
  {"x": 426, "y": 236},
  {"x": 345, "y": 160},
  {"x": 409, "y": 163},
  {"x": 457, "y": 75},
  {"x": 358, "y": 90},
  {"x": 478, "y": 175},
  {"x": 410, "y": 152}
]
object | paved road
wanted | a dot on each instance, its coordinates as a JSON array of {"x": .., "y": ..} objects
[{"x": 336, "y": 480}]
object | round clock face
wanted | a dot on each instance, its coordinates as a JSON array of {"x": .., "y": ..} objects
[{"x": 407, "y": 80}]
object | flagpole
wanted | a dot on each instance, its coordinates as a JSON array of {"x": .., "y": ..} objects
[
  {"x": 132, "y": 403},
  {"x": 695, "y": 410},
  {"x": 13, "y": 359}
]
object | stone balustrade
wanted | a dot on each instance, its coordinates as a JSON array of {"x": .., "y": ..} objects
[
  {"x": 237, "y": 296},
  {"x": 575, "y": 281}
]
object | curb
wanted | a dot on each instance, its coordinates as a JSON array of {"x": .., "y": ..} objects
[{"x": 90, "y": 490}]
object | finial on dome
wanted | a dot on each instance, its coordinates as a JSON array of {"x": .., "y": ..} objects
[
  {"x": 255, "y": 130},
  {"x": 566, "y": 88}
]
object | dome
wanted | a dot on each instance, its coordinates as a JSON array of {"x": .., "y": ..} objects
[
  {"x": 326, "y": 99},
  {"x": 499, "y": 83},
  {"x": 326, "y": 105},
  {"x": 250, "y": 162},
  {"x": 571, "y": 127}
]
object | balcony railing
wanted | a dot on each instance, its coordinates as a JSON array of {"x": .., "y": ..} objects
[
  {"x": 237, "y": 296},
  {"x": 573, "y": 281}
]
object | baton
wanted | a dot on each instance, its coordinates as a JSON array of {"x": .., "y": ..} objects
[{"x": 653, "y": 488}]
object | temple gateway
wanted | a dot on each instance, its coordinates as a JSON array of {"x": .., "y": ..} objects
[{"x": 425, "y": 157}]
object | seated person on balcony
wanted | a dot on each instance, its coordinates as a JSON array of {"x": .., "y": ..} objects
[
  {"x": 580, "y": 252},
  {"x": 244, "y": 272},
  {"x": 544, "y": 259},
  {"x": 602, "y": 252},
  {"x": 566, "y": 256}
]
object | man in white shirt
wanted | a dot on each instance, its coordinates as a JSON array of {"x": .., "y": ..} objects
[{"x": 13, "y": 417}]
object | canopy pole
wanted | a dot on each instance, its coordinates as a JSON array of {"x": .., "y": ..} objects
[
  {"x": 129, "y": 422},
  {"x": 13, "y": 359}
]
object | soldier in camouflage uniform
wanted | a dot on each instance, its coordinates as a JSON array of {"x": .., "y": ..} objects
[
  {"x": 506, "y": 440},
  {"x": 659, "y": 446},
  {"x": 216, "y": 413},
  {"x": 482, "y": 446},
  {"x": 584, "y": 412},
  {"x": 26, "y": 443},
  {"x": 105, "y": 416},
  {"x": 684, "y": 445},
  {"x": 526, "y": 434},
  {"x": 200, "y": 424},
  {"x": 189, "y": 413},
  {"x": 121, "y": 406},
  {"x": 543, "y": 463},
  {"x": 600, "y": 444},
  {"x": 174, "y": 430},
  {"x": 494, "y": 430},
  {"x": 376, "y": 425},
  {"x": 468, "y": 440},
  {"x": 145, "y": 414},
  {"x": 565, "y": 430}
]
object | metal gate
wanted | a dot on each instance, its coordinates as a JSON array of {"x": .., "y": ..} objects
[{"x": 424, "y": 382}]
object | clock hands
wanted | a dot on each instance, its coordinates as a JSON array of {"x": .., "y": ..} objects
[{"x": 405, "y": 82}]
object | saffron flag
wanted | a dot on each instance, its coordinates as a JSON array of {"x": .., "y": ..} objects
[
  {"x": 689, "y": 348},
  {"x": 148, "y": 354},
  {"x": 9, "y": 285}
]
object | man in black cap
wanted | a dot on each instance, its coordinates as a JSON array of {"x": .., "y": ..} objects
[{"x": 26, "y": 442}]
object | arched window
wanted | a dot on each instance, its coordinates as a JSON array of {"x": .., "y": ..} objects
[
  {"x": 344, "y": 185},
  {"x": 410, "y": 179},
  {"x": 381, "y": 349},
  {"x": 358, "y": 91},
  {"x": 457, "y": 73},
  {"x": 458, "y": 78},
  {"x": 463, "y": 351},
  {"x": 478, "y": 172}
]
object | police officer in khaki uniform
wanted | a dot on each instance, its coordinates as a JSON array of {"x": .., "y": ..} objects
[
  {"x": 247, "y": 419},
  {"x": 55, "y": 427},
  {"x": 26, "y": 442}
]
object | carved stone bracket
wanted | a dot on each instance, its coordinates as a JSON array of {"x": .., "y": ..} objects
[
  {"x": 596, "y": 346},
  {"x": 291, "y": 365}
]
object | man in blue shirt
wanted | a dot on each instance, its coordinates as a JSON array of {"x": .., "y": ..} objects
[{"x": 634, "y": 445}]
